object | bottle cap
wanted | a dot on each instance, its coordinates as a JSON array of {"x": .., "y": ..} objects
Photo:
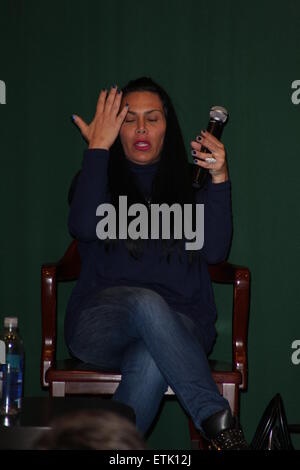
[{"x": 11, "y": 322}]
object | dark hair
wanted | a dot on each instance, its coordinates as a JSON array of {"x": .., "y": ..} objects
[
  {"x": 91, "y": 430},
  {"x": 173, "y": 167}
]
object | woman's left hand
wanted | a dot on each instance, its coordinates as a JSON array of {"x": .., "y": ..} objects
[{"x": 218, "y": 168}]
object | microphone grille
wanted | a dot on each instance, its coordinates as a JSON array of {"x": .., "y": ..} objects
[{"x": 218, "y": 113}]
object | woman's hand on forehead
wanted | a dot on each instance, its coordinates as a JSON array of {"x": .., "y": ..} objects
[{"x": 105, "y": 126}]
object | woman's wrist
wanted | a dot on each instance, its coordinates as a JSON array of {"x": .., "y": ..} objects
[
  {"x": 219, "y": 177},
  {"x": 98, "y": 145}
]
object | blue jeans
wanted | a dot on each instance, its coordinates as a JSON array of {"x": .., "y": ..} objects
[{"x": 132, "y": 329}]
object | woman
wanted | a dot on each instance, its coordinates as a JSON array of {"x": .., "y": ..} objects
[{"x": 146, "y": 307}]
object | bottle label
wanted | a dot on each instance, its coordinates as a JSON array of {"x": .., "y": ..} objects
[
  {"x": 10, "y": 390},
  {"x": 14, "y": 360},
  {"x": 13, "y": 379}
]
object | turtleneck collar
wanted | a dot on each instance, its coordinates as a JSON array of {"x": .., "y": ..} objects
[{"x": 148, "y": 168}]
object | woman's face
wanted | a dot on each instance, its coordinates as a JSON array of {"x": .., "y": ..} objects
[{"x": 143, "y": 130}]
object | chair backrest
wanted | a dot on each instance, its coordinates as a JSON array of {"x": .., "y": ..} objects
[
  {"x": 68, "y": 269},
  {"x": 69, "y": 265}
]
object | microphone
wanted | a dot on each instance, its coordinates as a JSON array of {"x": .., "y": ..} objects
[{"x": 218, "y": 117}]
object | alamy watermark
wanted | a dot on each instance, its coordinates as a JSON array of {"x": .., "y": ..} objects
[
  {"x": 296, "y": 94},
  {"x": 2, "y": 92},
  {"x": 138, "y": 228},
  {"x": 295, "y": 357}
]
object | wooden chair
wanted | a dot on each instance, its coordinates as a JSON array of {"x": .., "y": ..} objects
[{"x": 71, "y": 376}]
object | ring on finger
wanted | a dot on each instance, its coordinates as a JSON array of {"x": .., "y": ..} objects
[{"x": 211, "y": 159}]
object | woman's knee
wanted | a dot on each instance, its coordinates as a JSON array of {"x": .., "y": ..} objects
[{"x": 147, "y": 302}]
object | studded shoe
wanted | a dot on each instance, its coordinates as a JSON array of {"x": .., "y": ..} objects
[{"x": 223, "y": 432}]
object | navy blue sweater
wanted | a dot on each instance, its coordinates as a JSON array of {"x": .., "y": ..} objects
[{"x": 185, "y": 289}]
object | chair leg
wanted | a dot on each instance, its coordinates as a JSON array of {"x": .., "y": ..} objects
[
  {"x": 197, "y": 441},
  {"x": 57, "y": 389},
  {"x": 231, "y": 393}
]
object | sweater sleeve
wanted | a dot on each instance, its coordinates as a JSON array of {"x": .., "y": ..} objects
[
  {"x": 90, "y": 191},
  {"x": 217, "y": 220}
]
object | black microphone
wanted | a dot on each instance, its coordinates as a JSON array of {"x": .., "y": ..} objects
[{"x": 218, "y": 117}]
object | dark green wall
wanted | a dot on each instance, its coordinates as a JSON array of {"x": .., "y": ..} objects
[{"x": 57, "y": 55}]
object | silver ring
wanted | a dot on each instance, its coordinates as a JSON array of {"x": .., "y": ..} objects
[{"x": 210, "y": 160}]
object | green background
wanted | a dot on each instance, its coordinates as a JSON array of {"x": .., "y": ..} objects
[{"x": 55, "y": 58}]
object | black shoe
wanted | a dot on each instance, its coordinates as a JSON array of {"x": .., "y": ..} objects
[{"x": 223, "y": 432}]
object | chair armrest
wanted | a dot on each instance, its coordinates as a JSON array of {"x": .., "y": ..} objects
[
  {"x": 239, "y": 276},
  {"x": 66, "y": 269}
]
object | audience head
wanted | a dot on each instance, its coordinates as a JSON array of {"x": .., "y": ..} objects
[{"x": 91, "y": 430}]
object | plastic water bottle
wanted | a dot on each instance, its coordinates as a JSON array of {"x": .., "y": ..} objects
[{"x": 11, "y": 368}]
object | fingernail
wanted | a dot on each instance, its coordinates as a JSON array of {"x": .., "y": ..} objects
[
  {"x": 194, "y": 152},
  {"x": 114, "y": 86},
  {"x": 127, "y": 105},
  {"x": 203, "y": 131},
  {"x": 195, "y": 160},
  {"x": 198, "y": 138},
  {"x": 119, "y": 91},
  {"x": 73, "y": 117}
]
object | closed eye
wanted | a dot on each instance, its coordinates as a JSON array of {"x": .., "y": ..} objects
[{"x": 133, "y": 120}]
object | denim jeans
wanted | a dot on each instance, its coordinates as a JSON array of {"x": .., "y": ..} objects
[{"x": 132, "y": 329}]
